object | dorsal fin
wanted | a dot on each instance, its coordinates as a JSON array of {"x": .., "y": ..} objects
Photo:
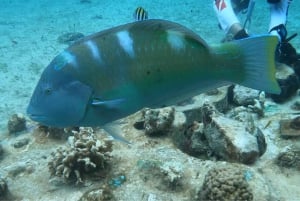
[{"x": 150, "y": 25}]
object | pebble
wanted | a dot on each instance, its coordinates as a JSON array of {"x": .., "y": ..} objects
[
  {"x": 290, "y": 127},
  {"x": 21, "y": 142}
]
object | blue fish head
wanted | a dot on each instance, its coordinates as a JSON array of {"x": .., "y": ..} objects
[{"x": 59, "y": 99}]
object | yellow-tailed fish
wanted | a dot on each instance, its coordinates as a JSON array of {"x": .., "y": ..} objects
[{"x": 118, "y": 71}]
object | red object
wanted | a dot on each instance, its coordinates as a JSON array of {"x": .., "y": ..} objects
[{"x": 220, "y": 4}]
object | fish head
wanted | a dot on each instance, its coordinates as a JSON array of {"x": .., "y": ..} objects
[{"x": 59, "y": 99}]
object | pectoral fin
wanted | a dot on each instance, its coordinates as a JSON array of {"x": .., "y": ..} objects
[
  {"x": 108, "y": 103},
  {"x": 115, "y": 131}
]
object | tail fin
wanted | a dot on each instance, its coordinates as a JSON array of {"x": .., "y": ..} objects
[{"x": 259, "y": 63}]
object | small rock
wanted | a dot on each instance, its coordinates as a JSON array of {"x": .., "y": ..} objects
[
  {"x": 229, "y": 139},
  {"x": 18, "y": 168},
  {"x": 244, "y": 96},
  {"x": 21, "y": 142},
  {"x": 290, "y": 127},
  {"x": 261, "y": 142},
  {"x": 16, "y": 123},
  {"x": 193, "y": 111},
  {"x": 158, "y": 121},
  {"x": 289, "y": 158},
  {"x": 166, "y": 175},
  {"x": 55, "y": 133},
  {"x": 190, "y": 139},
  {"x": 288, "y": 82},
  {"x": 296, "y": 105}
]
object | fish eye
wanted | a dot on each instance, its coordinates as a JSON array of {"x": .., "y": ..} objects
[{"x": 48, "y": 91}]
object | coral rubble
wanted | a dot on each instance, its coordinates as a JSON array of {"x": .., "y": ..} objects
[
  {"x": 289, "y": 158},
  {"x": 86, "y": 154},
  {"x": 290, "y": 127},
  {"x": 163, "y": 175},
  {"x": 157, "y": 121}
]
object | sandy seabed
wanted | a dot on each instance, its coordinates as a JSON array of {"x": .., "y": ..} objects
[{"x": 28, "y": 34}]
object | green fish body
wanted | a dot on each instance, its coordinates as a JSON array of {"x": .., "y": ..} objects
[{"x": 143, "y": 64}]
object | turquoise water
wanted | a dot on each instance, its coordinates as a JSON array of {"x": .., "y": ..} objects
[{"x": 29, "y": 31}]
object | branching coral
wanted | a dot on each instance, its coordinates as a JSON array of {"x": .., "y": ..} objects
[{"x": 85, "y": 154}]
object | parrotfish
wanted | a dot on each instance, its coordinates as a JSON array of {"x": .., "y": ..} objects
[{"x": 118, "y": 71}]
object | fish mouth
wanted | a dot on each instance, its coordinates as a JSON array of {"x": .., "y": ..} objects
[
  {"x": 37, "y": 117},
  {"x": 43, "y": 120}
]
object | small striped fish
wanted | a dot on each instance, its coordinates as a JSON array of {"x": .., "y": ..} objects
[{"x": 140, "y": 14}]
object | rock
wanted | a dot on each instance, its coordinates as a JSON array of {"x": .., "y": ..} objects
[
  {"x": 55, "y": 133},
  {"x": 158, "y": 121},
  {"x": 261, "y": 142},
  {"x": 290, "y": 158},
  {"x": 244, "y": 115},
  {"x": 16, "y": 123},
  {"x": 190, "y": 139},
  {"x": 288, "y": 82},
  {"x": 244, "y": 96},
  {"x": 19, "y": 168},
  {"x": 165, "y": 175},
  {"x": 290, "y": 127},
  {"x": 21, "y": 142},
  {"x": 193, "y": 111},
  {"x": 229, "y": 139},
  {"x": 296, "y": 105}
]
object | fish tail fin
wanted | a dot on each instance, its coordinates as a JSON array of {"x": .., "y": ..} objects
[
  {"x": 259, "y": 63},
  {"x": 251, "y": 62}
]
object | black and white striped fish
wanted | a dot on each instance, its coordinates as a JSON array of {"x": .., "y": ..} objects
[{"x": 140, "y": 14}]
